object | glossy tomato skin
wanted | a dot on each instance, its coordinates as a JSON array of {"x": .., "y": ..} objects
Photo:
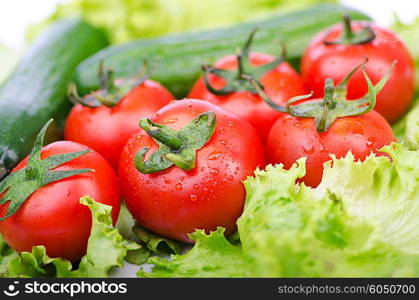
[
  {"x": 175, "y": 202},
  {"x": 280, "y": 84},
  {"x": 107, "y": 129},
  {"x": 291, "y": 138},
  {"x": 52, "y": 216},
  {"x": 322, "y": 61}
]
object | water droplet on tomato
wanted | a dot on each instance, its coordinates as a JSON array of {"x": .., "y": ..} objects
[
  {"x": 179, "y": 187},
  {"x": 371, "y": 141},
  {"x": 230, "y": 124},
  {"x": 223, "y": 142},
  {"x": 214, "y": 171},
  {"x": 193, "y": 197},
  {"x": 214, "y": 155},
  {"x": 170, "y": 121},
  {"x": 308, "y": 150},
  {"x": 195, "y": 186}
]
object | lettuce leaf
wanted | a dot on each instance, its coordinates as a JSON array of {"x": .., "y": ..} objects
[
  {"x": 412, "y": 127},
  {"x": 362, "y": 221},
  {"x": 125, "y": 20},
  {"x": 212, "y": 256},
  {"x": 6, "y": 254},
  {"x": 106, "y": 249}
]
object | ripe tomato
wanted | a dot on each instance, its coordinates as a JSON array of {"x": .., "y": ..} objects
[
  {"x": 323, "y": 60},
  {"x": 319, "y": 127},
  {"x": 107, "y": 129},
  {"x": 280, "y": 83},
  {"x": 291, "y": 138},
  {"x": 52, "y": 216},
  {"x": 175, "y": 202}
]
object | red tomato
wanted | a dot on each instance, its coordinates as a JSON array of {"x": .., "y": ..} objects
[
  {"x": 291, "y": 138},
  {"x": 175, "y": 202},
  {"x": 107, "y": 129},
  {"x": 321, "y": 61},
  {"x": 52, "y": 216},
  {"x": 280, "y": 84}
]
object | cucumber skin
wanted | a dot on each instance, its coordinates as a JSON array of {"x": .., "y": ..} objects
[
  {"x": 36, "y": 91},
  {"x": 179, "y": 57}
]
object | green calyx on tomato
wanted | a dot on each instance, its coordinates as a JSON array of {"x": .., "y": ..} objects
[
  {"x": 111, "y": 91},
  {"x": 19, "y": 185},
  {"x": 236, "y": 80},
  {"x": 176, "y": 147},
  {"x": 335, "y": 104},
  {"x": 349, "y": 37}
]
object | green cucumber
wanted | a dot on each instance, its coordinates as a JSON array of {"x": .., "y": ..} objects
[
  {"x": 36, "y": 91},
  {"x": 179, "y": 57}
]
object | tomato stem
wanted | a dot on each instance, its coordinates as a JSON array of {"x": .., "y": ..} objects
[
  {"x": 334, "y": 104},
  {"x": 236, "y": 79},
  {"x": 110, "y": 92},
  {"x": 350, "y": 37},
  {"x": 176, "y": 147}
]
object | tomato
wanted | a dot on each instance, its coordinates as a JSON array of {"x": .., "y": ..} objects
[
  {"x": 106, "y": 129},
  {"x": 322, "y": 60},
  {"x": 52, "y": 216},
  {"x": 280, "y": 82},
  {"x": 174, "y": 202},
  {"x": 317, "y": 128},
  {"x": 292, "y": 138}
]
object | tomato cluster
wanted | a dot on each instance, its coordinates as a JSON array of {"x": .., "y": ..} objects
[{"x": 180, "y": 163}]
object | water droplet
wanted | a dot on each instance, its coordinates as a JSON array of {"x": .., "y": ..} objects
[
  {"x": 371, "y": 141},
  {"x": 202, "y": 169},
  {"x": 196, "y": 186},
  {"x": 214, "y": 155},
  {"x": 230, "y": 124},
  {"x": 170, "y": 121},
  {"x": 308, "y": 149},
  {"x": 182, "y": 178},
  {"x": 214, "y": 171},
  {"x": 179, "y": 187},
  {"x": 223, "y": 142},
  {"x": 193, "y": 197},
  {"x": 147, "y": 181},
  {"x": 205, "y": 190}
]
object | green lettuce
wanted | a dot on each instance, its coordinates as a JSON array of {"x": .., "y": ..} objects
[
  {"x": 212, "y": 256},
  {"x": 412, "y": 127},
  {"x": 151, "y": 244},
  {"x": 125, "y": 20},
  {"x": 106, "y": 249},
  {"x": 362, "y": 221}
]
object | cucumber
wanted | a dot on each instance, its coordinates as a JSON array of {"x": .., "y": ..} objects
[
  {"x": 179, "y": 57},
  {"x": 36, "y": 90}
]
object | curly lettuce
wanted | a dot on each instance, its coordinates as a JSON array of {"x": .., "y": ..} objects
[
  {"x": 362, "y": 221},
  {"x": 212, "y": 256}
]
